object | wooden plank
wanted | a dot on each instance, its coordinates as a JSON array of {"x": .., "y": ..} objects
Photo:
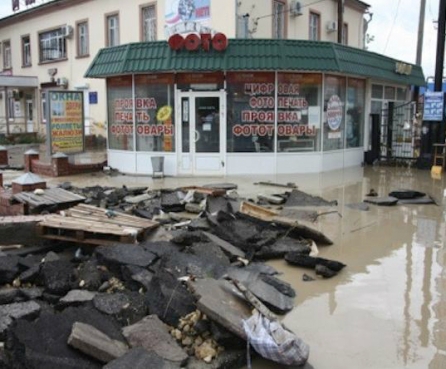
[
  {"x": 90, "y": 241},
  {"x": 257, "y": 211},
  {"x": 94, "y": 227},
  {"x": 205, "y": 190},
  {"x": 117, "y": 219}
]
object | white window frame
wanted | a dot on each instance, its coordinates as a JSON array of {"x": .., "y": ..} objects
[
  {"x": 113, "y": 30},
  {"x": 83, "y": 39},
  {"x": 26, "y": 51},
  {"x": 279, "y": 20},
  {"x": 7, "y": 62},
  {"x": 314, "y": 26},
  {"x": 149, "y": 22},
  {"x": 52, "y": 46}
]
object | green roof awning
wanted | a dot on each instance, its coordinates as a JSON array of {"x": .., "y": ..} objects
[{"x": 252, "y": 55}]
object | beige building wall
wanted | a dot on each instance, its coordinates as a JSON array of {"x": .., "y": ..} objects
[{"x": 223, "y": 18}]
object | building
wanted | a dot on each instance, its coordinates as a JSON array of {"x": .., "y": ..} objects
[{"x": 269, "y": 91}]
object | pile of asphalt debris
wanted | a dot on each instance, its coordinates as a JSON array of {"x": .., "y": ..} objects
[{"x": 158, "y": 303}]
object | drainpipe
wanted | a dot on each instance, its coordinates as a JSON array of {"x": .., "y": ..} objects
[{"x": 340, "y": 20}]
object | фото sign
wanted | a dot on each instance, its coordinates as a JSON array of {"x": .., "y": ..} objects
[
  {"x": 194, "y": 42},
  {"x": 66, "y": 121}
]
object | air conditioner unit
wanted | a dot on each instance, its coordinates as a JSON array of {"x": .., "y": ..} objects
[
  {"x": 295, "y": 8},
  {"x": 67, "y": 31},
  {"x": 332, "y": 26},
  {"x": 62, "y": 81}
]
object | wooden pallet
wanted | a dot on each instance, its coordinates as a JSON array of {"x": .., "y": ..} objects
[{"x": 91, "y": 225}]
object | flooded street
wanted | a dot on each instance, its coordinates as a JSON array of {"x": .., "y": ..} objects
[{"x": 387, "y": 308}]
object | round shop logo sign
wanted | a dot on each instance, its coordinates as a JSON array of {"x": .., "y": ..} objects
[{"x": 334, "y": 112}]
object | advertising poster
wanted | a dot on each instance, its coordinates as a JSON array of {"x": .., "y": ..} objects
[
  {"x": 66, "y": 121},
  {"x": 433, "y": 106},
  {"x": 187, "y": 16}
]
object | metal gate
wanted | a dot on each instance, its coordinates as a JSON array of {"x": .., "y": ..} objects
[{"x": 400, "y": 132}]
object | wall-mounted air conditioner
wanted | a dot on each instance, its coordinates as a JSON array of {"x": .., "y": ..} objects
[
  {"x": 332, "y": 26},
  {"x": 295, "y": 8},
  {"x": 67, "y": 31}
]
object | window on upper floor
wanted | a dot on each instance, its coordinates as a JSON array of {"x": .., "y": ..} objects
[
  {"x": 7, "y": 62},
  {"x": 148, "y": 22},
  {"x": 82, "y": 39},
  {"x": 243, "y": 26},
  {"x": 345, "y": 34},
  {"x": 315, "y": 26},
  {"x": 26, "y": 51},
  {"x": 112, "y": 30},
  {"x": 279, "y": 18},
  {"x": 53, "y": 45}
]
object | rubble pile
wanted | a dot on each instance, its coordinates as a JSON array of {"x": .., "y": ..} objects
[{"x": 169, "y": 301}]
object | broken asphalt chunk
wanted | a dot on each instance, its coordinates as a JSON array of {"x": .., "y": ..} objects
[
  {"x": 140, "y": 358},
  {"x": 311, "y": 262},
  {"x": 382, "y": 201},
  {"x": 267, "y": 291},
  {"x": 300, "y": 198},
  {"x": 28, "y": 344},
  {"x": 95, "y": 343},
  {"x": 120, "y": 254},
  {"x": 15, "y": 311},
  {"x": 153, "y": 335},
  {"x": 323, "y": 271}
]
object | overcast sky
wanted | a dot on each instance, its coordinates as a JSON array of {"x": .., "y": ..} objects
[{"x": 394, "y": 27}]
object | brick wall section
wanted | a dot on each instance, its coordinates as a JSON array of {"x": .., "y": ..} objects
[
  {"x": 4, "y": 157},
  {"x": 16, "y": 187},
  {"x": 61, "y": 167},
  {"x": 28, "y": 159},
  {"x": 5, "y": 206}
]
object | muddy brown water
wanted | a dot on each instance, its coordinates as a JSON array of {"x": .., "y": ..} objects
[{"x": 387, "y": 308}]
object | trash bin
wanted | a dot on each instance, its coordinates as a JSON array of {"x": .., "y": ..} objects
[{"x": 158, "y": 166}]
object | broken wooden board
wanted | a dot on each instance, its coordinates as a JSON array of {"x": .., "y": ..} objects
[
  {"x": 286, "y": 185},
  {"x": 257, "y": 211},
  {"x": 91, "y": 225},
  {"x": 50, "y": 197},
  {"x": 205, "y": 190}
]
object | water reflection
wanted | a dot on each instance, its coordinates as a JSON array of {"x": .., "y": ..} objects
[{"x": 387, "y": 309}]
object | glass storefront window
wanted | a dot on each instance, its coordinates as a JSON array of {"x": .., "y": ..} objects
[
  {"x": 250, "y": 115},
  {"x": 299, "y": 112},
  {"x": 401, "y": 94},
  {"x": 334, "y": 112},
  {"x": 154, "y": 105},
  {"x": 377, "y": 91},
  {"x": 120, "y": 113},
  {"x": 389, "y": 93},
  {"x": 355, "y": 112}
]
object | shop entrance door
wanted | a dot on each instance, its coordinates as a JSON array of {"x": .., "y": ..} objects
[{"x": 201, "y": 117}]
